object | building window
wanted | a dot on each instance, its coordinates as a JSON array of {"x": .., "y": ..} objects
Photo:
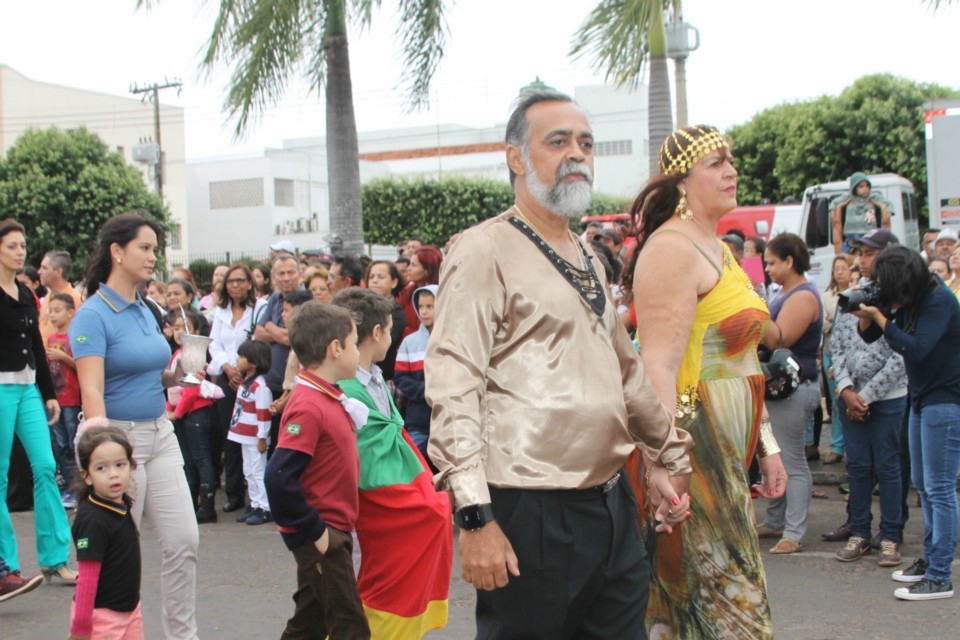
[
  {"x": 283, "y": 192},
  {"x": 234, "y": 194},
  {"x": 173, "y": 236},
  {"x": 613, "y": 148}
]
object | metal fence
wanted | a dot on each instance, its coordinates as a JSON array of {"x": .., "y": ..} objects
[{"x": 202, "y": 264}]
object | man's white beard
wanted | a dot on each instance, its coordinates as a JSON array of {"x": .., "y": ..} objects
[{"x": 565, "y": 200}]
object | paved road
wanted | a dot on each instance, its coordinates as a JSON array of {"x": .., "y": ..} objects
[{"x": 246, "y": 578}]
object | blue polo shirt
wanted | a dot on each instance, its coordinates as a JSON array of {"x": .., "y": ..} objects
[{"x": 135, "y": 353}]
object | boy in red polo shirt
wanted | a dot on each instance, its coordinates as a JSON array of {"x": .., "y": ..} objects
[{"x": 313, "y": 476}]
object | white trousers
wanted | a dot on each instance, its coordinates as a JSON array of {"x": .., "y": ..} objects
[{"x": 254, "y": 466}]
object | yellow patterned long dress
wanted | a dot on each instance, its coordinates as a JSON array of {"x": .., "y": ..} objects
[{"x": 708, "y": 579}]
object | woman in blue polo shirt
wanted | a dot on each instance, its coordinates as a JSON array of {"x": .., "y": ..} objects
[
  {"x": 25, "y": 387},
  {"x": 121, "y": 358}
]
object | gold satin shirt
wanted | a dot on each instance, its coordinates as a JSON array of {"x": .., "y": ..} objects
[{"x": 530, "y": 388}]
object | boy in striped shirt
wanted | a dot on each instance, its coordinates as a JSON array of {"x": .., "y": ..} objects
[{"x": 250, "y": 426}]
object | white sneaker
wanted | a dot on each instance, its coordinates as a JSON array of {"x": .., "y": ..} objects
[
  {"x": 925, "y": 590},
  {"x": 913, "y": 573}
]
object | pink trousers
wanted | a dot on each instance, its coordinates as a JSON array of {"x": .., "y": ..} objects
[{"x": 115, "y": 625}]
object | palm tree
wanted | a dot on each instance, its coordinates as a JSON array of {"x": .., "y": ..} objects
[
  {"x": 266, "y": 42},
  {"x": 622, "y": 36}
]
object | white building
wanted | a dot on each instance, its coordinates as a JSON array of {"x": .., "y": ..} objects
[
  {"x": 238, "y": 207},
  {"x": 122, "y": 123},
  {"x": 283, "y": 194}
]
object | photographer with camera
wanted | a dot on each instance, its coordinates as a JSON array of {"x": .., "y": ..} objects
[
  {"x": 923, "y": 325},
  {"x": 871, "y": 402}
]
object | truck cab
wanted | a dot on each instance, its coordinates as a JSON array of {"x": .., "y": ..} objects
[{"x": 815, "y": 220}]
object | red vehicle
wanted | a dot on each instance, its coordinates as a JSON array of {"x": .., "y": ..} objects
[
  {"x": 765, "y": 220},
  {"x": 762, "y": 220}
]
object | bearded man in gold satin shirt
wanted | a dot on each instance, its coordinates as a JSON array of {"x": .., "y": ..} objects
[{"x": 539, "y": 398}]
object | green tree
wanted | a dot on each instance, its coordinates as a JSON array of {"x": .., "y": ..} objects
[
  {"x": 875, "y": 125},
  {"x": 266, "y": 42},
  {"x": 437, "y": 209},
  {"x": 62, "y": 185},
  {"x": 624, "y": 35}
]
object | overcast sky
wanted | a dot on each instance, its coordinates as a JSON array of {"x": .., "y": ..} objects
[{"x": 754, "y": 54}]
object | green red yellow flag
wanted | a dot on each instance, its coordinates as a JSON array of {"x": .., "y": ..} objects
[{"x": 405, "y": 530}]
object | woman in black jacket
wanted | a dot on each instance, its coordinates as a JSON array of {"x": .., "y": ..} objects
[
  {"x": 28, "y": 405},
  {"x": 923, "y": 325}
]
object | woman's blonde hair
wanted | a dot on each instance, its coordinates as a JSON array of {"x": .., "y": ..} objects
[{"x": 834, "y": 286}]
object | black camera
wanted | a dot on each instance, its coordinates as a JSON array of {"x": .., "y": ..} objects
[{"x": 868, "y": 294}]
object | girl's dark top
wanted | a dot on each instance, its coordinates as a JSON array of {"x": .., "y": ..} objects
[
  {"x": 104, "y": 532},
  {"x": 20, "y": 341},
  {"x": 928, "y": 338},
  {"x": 806, "y": 348}
]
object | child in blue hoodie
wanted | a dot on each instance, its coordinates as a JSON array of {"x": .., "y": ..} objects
[{"x": 408, "y": 374}]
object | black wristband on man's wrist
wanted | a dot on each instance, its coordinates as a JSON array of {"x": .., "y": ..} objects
[{"x": 474, "y": 516}]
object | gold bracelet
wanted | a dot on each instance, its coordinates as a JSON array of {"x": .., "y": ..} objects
[{"x": 766, "y": 443}]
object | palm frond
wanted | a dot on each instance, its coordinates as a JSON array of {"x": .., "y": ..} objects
[
  {"x": 616, "y": 36},
  {"x": 673, "y": 9},
  {"x": 265, "y": 42},
  {"x": 423, "y": 33},
  {"x": 936, "y": 4},
  {"x": 362, "y": 12},
  {"x": 314, "y": 36},
  {"x": 217, "y": 48}
]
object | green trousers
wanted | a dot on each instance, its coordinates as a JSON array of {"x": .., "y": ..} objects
[{"x": 22, "y": 412}]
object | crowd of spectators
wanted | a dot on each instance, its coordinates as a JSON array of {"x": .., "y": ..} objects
[{"x": 883, "y": 374}]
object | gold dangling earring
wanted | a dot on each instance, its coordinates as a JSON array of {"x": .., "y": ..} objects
[{"x": 684, "y": 214}]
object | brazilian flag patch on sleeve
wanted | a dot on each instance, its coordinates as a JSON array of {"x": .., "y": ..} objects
[
  {"x": 293, "y": 429},
  {"x": 83, "y": 543}
]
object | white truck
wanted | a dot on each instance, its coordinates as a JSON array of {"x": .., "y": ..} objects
[
  {"x": 943, "y": 162},
  {"x": 816, "y": 230}
]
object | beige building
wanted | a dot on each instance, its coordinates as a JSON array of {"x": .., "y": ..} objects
[{"x": 123, "y": 122}]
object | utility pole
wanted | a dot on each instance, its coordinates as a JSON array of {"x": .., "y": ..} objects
[
  {"x": 678, "y": 48},
  {"x": 152, "y": 92}
]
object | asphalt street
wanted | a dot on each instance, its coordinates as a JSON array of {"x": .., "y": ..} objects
[{"x": 246, "y": 578}]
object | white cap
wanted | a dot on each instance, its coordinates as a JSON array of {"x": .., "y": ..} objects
[
  {"x": 946, "y": 234},
  {"x": 286, "y": 245}
]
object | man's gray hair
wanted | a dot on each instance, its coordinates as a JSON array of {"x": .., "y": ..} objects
[
  {"x": 518, "y": 127},
  {"x": 60, "y": 260},
  {"x": 282, "y": 256}
]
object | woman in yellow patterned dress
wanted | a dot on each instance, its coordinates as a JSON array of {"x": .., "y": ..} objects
[{"x": 699, "y": 321}]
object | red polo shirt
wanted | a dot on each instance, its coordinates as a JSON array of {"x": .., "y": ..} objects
[{"x": 317, "y": 425}]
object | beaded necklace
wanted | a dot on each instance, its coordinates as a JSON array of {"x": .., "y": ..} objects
[{"x": 584, "y": 278}]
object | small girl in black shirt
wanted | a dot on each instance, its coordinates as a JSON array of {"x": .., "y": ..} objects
[{"x": 107, "y": 601}]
